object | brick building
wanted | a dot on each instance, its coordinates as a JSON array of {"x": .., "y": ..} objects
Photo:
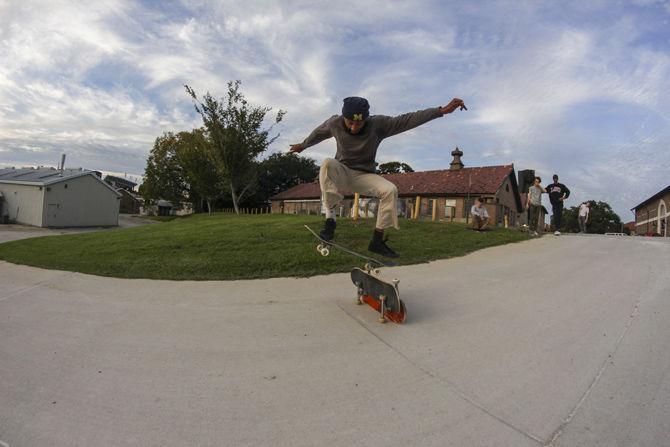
[
  {"x": 653, "y": 214},
  {"x": 450, "y": 191}
]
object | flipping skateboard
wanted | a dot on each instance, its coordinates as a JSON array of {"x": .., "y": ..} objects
[{"x": 382, "y": 296}]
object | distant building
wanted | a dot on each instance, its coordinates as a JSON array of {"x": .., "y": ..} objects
[
  {"x": 48, "y": 197},
  {"x": 630, "y": 226},
  {"x": 120, "y": 183},
  {"x": 652, "y": 215},
  {"x": 451, "y": 191},
  {"x": 131, "y": 201}
]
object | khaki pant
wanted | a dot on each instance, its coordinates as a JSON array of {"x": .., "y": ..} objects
[
  {"x": 479, "y": 223},
  {"x": 335, "y": 177},
  {"x": 534, "y": 219}
]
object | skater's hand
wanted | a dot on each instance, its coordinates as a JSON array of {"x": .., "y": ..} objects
[
  {"x": 453, "y": 105},
  {"x": 296, "y": 148}
]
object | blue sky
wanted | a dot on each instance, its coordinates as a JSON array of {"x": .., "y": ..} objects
[{"x": 576, "y": 88}]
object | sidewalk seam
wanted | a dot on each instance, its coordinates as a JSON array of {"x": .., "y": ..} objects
[
  {"x": 462, "y": 394},
  {"x": 632, "y": 317},
  {"x": 26, "y": 289}
]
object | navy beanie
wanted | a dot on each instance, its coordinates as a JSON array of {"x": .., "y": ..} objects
[{"x": 355, "y": 108}]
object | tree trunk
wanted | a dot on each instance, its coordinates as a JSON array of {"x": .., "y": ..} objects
[{"x": 235, "y": 198}]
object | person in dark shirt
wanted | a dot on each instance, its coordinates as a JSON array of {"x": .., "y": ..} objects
[
  {"x": 358, "y": 136},
  {"x": 558, "y": 192}
]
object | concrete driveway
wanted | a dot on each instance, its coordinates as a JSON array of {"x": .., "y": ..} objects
[
  {"x": 561, "y": 341},
  {"x": 15, "y": 232}
]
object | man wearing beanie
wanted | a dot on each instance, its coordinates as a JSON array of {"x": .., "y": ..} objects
[{"x": 358, "y": 135}]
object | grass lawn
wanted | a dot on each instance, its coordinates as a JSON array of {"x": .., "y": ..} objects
[{"x": 225, "y": 246}]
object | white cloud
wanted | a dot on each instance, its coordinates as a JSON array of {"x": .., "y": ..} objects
[{"x": 102, "y": 80}]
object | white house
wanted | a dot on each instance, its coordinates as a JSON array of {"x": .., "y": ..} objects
[{"x": 48, "y": 197}]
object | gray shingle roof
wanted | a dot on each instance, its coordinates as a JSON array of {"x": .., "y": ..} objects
[
  {"x": 46, "y": 176},
  {"x": 39, "y": 176}
]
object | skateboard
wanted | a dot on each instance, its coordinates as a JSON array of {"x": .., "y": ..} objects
[
  {"x": 382, "y": 296},
  {"x": 324, "y": 250}
]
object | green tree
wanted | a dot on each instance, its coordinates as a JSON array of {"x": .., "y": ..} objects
[
  {"x": 602, "y": 219},
  {"x": 394, "y": 167},
  {"x": 569, "y": 220},
  {"x": 194, "y": 155},
  {"x": 164, "y": 177},
  {"x": 237, "y": 137},
  {"x": 280, "y": 172}
]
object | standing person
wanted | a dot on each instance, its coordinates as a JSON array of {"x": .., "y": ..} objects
[
  {"x": 584, "y": 209},
  {"x": 534, "y": 205},
  {"x": 558, "y": 192},
  {"x": 358, "y": 135},
  {"x": 480, "y": 217}
]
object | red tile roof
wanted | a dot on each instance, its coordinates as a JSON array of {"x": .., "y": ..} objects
[{"x": 483, "y": 180}]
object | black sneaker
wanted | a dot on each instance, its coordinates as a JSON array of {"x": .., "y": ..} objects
[
  {"x": 328, "y": 232},
  {"x": 378, "y": 245}
]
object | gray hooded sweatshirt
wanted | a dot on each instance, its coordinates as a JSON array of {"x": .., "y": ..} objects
[{"x": 360, "y": 150}]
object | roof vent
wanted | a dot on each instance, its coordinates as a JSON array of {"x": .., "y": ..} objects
[{"x": 62, "y": 164}]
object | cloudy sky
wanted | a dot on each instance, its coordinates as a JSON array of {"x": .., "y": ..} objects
[{"x": 579, "y": 88}]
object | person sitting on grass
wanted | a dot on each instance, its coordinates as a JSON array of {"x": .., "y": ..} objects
[
  {"x": 358, "y": 136},
  {"x": 480, "y": 217}
]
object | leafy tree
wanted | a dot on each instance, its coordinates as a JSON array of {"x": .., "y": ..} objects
[
  {"x": 235, "y": 131},
  {"x": 602, "y": 219},
  {"x": 194, "y": 155},
  {"x": 164, "y": 177},
  {"x": 394, "y": 167},
  {"x": 280, "y": 172}
]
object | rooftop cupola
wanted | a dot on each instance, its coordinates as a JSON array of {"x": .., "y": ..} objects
[{"x": 456, "y": 163}]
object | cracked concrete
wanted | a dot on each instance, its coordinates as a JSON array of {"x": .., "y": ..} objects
[{"x": 560, "y": 341}]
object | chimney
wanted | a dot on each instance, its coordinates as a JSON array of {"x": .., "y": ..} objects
[
  {"x": 456, "y": 163},
  {"x": 62, "y": 163}
]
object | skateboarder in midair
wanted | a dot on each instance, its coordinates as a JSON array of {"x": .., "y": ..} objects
[{"x": 358, "y": 135}]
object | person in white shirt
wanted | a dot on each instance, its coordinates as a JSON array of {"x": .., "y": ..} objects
[
  {"x": 583, "y": 216},
  {"x": 534, "y": 205},
  {"x": 480, "y": 217}
]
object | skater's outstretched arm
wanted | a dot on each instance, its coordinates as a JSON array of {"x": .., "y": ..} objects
[
  {"x": 319, "y": 134},
  {"x": 398, "y": 124}
]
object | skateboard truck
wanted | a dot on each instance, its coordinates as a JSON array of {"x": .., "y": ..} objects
[{"x": 382, "y": 318}]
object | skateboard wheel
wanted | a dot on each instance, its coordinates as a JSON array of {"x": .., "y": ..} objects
[{"x": 322, "y": 250}]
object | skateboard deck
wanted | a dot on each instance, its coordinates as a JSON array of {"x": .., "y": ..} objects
[
  {"x": 324, "y": 249},
  {"x": 382, "y": 296}
]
